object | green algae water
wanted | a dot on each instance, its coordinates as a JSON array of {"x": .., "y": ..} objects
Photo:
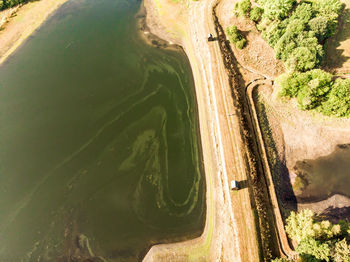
[{"x": 99, "y": 141}]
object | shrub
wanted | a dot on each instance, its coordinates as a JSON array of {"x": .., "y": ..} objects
[
  {"x": 338, "y": 103},
  {"x": 256, "y": 13},
  {"x": 236, "y": 37},
  {"x": 313, "y": 248},
  {"x": 276, "y": 9},
  {"x": 341, "y": 251},
  {"x": 318, "y": 240},
  {"x": 242, "y": 8},
  {"x": 311, "y": 88},
  {"x": 241, "y": 43}
]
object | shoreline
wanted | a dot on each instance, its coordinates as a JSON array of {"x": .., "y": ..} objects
[
  {"x": 27, "y": 19},
  {"x": 164, "y": 252},
  {"x": 228, "y": 234}
]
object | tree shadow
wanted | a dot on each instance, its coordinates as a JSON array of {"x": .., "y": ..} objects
[
  {"x": 280, "y": 174},
  {"x": 243, "y": 184},
  {"x": 335, "y": 57},
  {"x": 334, "y": 214}
]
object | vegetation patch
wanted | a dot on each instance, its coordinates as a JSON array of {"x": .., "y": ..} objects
[
  {"x": 4, "y": 4},
  {"x": 242, "y": 8},
  {"x": 298, "y": 30},
  {"x": 317, "y": 89},
  {"x": 235, "y": 37},
  {"x": 318, "y": 240}
]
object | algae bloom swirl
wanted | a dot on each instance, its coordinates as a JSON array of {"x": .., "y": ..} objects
[{"x": 100, "y": 153}]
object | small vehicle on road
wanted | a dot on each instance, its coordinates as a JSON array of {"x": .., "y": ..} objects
[{"x": 234, "y": 185}]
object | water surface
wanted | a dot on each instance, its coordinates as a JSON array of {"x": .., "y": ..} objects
[
  {"x": 325, "y": 176},
  {"x": 99, "y": 141}
]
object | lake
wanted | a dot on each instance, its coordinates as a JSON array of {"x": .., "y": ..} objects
[{"x": 100, "y": 154}]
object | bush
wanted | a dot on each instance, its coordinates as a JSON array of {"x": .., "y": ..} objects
[
  {"x": 256, "y": 13},
  {"x": 242, "y": 8},
  {"x": 241, "y": 43},
  {"x": 276, "y": 9},
  {"x": 318, "y": 240},
  {"x": 236, "y": 37},
  {"x": 338, "y": 103},
  {"x": 311, "y": 88}
]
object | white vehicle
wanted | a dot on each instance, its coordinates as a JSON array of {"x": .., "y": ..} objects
[{"x": 234, "y": 185}]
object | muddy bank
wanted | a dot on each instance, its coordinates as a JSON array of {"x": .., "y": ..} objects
[
  {"x": 17, "y": 28},
  {"x": 318, "y": 179}
]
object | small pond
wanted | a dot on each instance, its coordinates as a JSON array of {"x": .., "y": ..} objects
[{"x": 323, "y": 177}]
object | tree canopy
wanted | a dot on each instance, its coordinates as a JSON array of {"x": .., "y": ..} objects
[
  {"x": 319, "y": 240},
  {"x": 235, "y": 37},
  {"x": 297, "y": 31}
]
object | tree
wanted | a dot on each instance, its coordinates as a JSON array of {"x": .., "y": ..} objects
[
  {"x": 256, "y": 13},
  {"x": 320, "y": 26},
  {"x": 327, "y": 7},
  {"x": 301, "y": 59},
  {"x": 242, "y": 8},
  {"x": 341, "y": 252},
  {"x": 277, "y": 9},
  {"x": 314, "y": 248},
  {"x": 236, "y": 37},
  {"x": 338, "y": 103},
  {"x": 300, "y": 225}
]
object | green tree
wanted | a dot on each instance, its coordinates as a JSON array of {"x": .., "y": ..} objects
[
  {"x": 277, "y": 9},
  {"x": 341, "y": 252},
  {"x": 319, "y": 25},
  {"x": 256, "y": 13},
  {"x": 327, "y": 7},
  {"x": 338, "y": 103},
  {"x": 302, "y": 59},
  {"x": 235, "y": 37},
  {"x": 242, "y": 8},
  {"x": 314, "y": 248}
]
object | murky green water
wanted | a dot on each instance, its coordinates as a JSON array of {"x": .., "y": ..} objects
[
  {"x": 99, "y": 147},
  {"x": 325, "y": 176}
]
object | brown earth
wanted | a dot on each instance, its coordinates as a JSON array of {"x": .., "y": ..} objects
[
  {"x": 257, "y": 56},
  {"x": 20, "y": 22}
]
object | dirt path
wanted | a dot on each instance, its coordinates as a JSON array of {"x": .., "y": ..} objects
[{"x": 23, "y": 23}]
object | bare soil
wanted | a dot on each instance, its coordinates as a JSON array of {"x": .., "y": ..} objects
[{"x": 20, "y": 22}]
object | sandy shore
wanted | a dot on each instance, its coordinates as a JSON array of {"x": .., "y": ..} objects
[
  {"x": 22, "y": 23},
  {"x": 230, "y": 229}
]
